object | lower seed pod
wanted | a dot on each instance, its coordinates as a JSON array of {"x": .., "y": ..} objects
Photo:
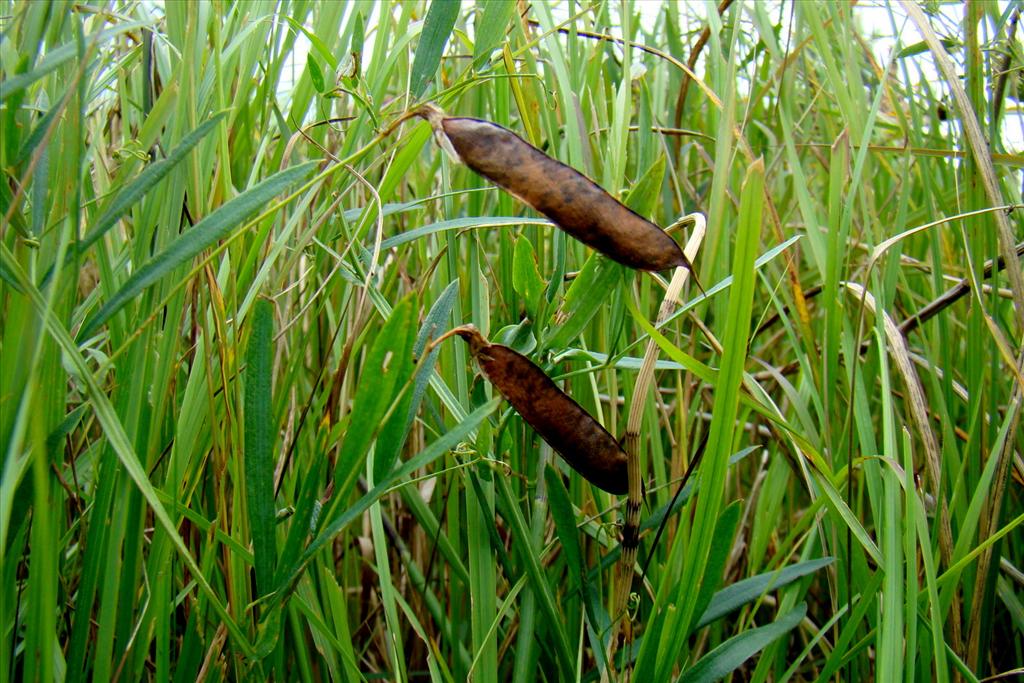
[
  {"x": 554, "y": 415},
  {"x": 576, "y": 204}
]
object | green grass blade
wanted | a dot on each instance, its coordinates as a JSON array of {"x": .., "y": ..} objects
[
  {"x": 259, "y": 444},
  {"x": 203, "y": 234},
  {"x": 122, "y": 446},
  {"x": 433, "y": 326},
  {"x": 459, "y": 224},
  {"x": 386, "y": 371},
  {"x": 731, "y": 654},
  {"x": 746, "y": 591},
  {"x": 334, "y": 526},
  {"x": 146, "y": 181},
  {"x": 491, "y": 23},
  {"x": 727, "y": 398},
  {"x": 588, "y": 291},
  {"x": 526, "y": 281},
  {"x": 721, "y": 546},
  {"x": 565, "y": 526},
  {"x": 437, "y": 28}
]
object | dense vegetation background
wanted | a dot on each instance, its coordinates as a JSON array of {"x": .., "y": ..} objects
[{"x": 226, "y": 455}]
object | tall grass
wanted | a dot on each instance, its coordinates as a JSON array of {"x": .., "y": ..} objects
[{"x": 230, "y": 451}]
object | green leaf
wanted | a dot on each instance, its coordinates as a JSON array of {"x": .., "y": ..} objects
[
  {"x": 724, "y": 413},
  {"x": 685, "y": 360},
  {"x": 259, "y": 444},
  {"x": 314, "y": 41},
  {"x": 460, "y": 224},
  {"x": 731, "y": 654},
  {"x": 921, "y": 47},
  {"x": 437, "y": 28},
  {"x": 436, "y": 320},
  {"x": 519, "y": 337},
  {"x": 315, "y": 74},
  {"x": 565, "y": 526},
  {"x": 490, "y": 27},
  {"x": 55, "y": 437},
  {"x": 386, "y": 369},
  {"x": 307, "y": 513},
  {"x": 568, "y": 533},
  {"x": 393, "y": 433},
  {"x": 37, "y": 134},
  {"x": 742, "y": 592},
  {"x": 644, "y": 195},
  {"x": 205, "y": 233},
  {"x": 17, "y": 217},
  {"x": 587, "y": 292},
  {"x": 721, "y": 545},
  {"x": 358, "y": 33},
  {"x": 8, "y": 277},
  {"x": 526, "y": 280}
]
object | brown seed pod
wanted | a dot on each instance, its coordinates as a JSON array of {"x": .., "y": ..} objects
[
  {"x": 572, "y": 201},
  {"x": 560, "y": 421}
]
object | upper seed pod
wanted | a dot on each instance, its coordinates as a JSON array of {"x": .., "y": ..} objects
[
  {"x": 560, "y": 421},
  {"x": 572, "y": 201}
]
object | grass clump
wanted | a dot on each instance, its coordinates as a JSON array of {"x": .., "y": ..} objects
[{"x": 232, "y": 451}]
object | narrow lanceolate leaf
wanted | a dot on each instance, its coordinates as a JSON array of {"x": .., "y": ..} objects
[
  {"x": 437, "y": 28},
  {"x": 315, "y": 74},
  {"x": 644, "y": 195},
  {"x": 527, "y": 282},
  {"x": 586, "y": 294},
  {"x": 384, "y": 374},
  {"x": 746, "y": 591},
  {"x": 490, "y": 27},
  {"x": 565, "y": 527},
  {"x": 730, "y": 655},
  {"x": 204, "y": 234},
  {"x": 435, "y": 321},
  {"x": 459, "y": 224},
  {"x": 36, "y": 137},
  {"x": 259, "y": 444},
  {"x": 8, "y": 278},
  {"x": 396, "y": 428},
  {"x": 721, "y": 546},
  {"x": 144, "y": 182},
  {"x": 726, "y": 406}
]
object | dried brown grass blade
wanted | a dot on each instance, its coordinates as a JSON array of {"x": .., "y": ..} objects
[
  {"x": 631, "y": 518},
  {"x": 917, "y": 404}
]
